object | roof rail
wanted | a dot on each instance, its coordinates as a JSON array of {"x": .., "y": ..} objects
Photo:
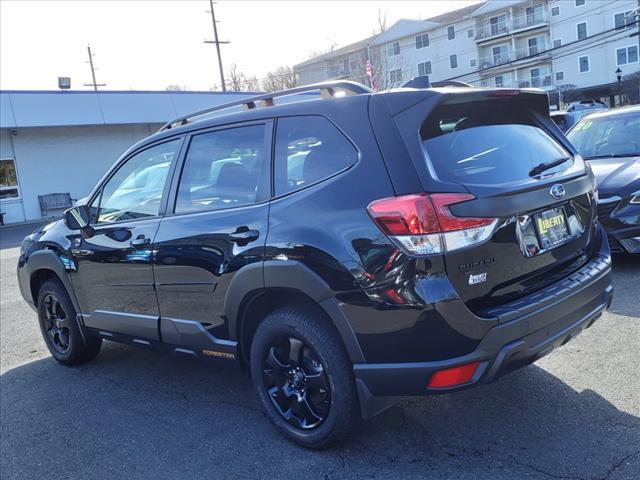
[{"x": 326, "y": 89}]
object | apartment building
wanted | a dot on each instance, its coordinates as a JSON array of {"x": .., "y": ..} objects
[{"x": 567, "y": 45}]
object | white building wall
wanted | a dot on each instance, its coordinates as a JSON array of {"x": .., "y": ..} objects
[
  {"x": 62, "y": 159},
  {"x": 599, "y": 16}
]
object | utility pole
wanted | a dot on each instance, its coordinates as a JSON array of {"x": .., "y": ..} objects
[
  {"x": 217, "y": 43},
  {"x": 95, "y": 84}
]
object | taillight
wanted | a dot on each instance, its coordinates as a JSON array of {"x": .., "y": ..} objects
[{"x": 424, "y": 225}]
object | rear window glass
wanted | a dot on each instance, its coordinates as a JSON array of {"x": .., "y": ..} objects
[
  {"x": 487, "y": 143},
  {"x": 608, "y": 136}
]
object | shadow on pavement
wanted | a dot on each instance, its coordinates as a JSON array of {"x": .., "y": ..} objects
[{"x": 141, "y": 415}]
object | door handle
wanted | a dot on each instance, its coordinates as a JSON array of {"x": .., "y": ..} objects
[
  {"x": 140, "y": 242},
  {"x": 243, "y": 235}
]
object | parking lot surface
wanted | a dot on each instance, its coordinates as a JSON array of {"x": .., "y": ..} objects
[{"x": 133, "y": 414}]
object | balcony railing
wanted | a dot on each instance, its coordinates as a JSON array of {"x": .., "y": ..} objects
[
  {"x": 511, "y": 24},
  {"x": 536, "y": 82},
  {"x": 495, "y": 60}
]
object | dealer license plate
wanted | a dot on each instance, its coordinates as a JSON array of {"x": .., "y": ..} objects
[{"x": 552, "y": 227}]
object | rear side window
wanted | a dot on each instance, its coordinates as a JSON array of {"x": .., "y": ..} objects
[
  {"x": 222, "y": 169},
  {"x": 487, "y": 143},
  {"x": 308, "y": 150}
]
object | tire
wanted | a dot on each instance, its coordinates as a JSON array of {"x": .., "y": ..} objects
[
  {"x": 320, "y": 394},
  {"x": 59, "y": 327}
]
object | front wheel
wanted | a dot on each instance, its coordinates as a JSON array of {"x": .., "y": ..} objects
[
  {"x": 304, "y": 378},
  {"x": 59, "y": 327}
]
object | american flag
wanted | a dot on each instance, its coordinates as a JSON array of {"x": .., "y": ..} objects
[{"x": 371, "y": 74}]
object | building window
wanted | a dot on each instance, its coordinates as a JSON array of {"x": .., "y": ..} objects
[
  {"x": 582, "y": 30},
  {"x": 470, "y": 33},
  {"x": 557, "y": 43},
  {"x": 536, "y": 45},
  {"x": 473, "y": 62},
  {"x": 453, "y": 61},
  {"x": 583, "y": 63},
  {"x": 499, "y": 80},
  {"x": 555, "y": 11},
  {"x": 393, "y": 49},
  {"x": 424, "y": 68},
  {"x": 623, "y": 20},
  {"x": 559, "y": 76},
  {"x": 395, "y": 76},
  {"x": 422, "y": 40},
  {"x": 500, "y": 54},
  {"x": 627, "y": 55},
  {"x": 580, "y": 3},
  {"x": 8, "y": 179},
  {"x": 498, "y": 25},
  {"x": 451, "y": 32}
]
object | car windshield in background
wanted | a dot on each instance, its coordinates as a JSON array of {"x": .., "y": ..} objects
[
  {"x": 607, "y": 136},
  {"x": 489, "y": 144}
]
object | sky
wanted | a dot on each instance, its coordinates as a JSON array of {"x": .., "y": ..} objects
[{"x": 149, "y": 45}]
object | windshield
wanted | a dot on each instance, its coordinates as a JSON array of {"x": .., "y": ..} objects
[
  {"x": 608, "y": 136},
  {"x": 489, "y": 144}
]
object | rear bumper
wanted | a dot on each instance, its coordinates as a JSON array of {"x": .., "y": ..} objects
[{"x": 528, "y": 329}]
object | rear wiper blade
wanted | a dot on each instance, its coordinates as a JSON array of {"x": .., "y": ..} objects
[{"x": 538, "y": 169}]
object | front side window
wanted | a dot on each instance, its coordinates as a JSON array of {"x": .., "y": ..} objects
[
  {"x": 135, "y": 190},
  {"x": 487, "y": 143},
  {"x": 8, "y": 179},
  {"x": 309, "y": 149},
  {"x": 607, "y": 136},
  {"x": 222, "y": 169}
]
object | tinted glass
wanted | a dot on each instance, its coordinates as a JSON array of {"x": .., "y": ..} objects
[
  {"x": 487, "y": 143},
  {"x": 607, "y": 136},
  {"x": 135, "y": 190},
  {"x": 309, "y": 149},
  {"x": 222, "y": 169}
]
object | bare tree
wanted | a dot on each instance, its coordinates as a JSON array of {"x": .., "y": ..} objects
[
  {"x": 323, "y": 51},
  {"x": 281, "y": 78},
  {"x": 382, "y": 22}
]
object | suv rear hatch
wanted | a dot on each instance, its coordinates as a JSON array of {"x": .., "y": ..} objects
[{"x": 513, "y": 203}]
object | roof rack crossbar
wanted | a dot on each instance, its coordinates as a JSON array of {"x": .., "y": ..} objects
[{"x": 326, "y": 89}]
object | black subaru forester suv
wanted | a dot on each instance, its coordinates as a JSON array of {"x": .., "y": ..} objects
[{"x": 346, "y": 249}]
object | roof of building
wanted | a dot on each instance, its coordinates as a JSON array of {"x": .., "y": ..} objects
[
  {"x": 454, "y": 15},
  {"x": 352, "y": 47},
  {"x": 407, "y": 27},
  {"x": 44, "y": 108}
]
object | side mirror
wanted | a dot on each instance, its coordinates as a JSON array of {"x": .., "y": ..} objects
[{"x": 77, "y": 218}]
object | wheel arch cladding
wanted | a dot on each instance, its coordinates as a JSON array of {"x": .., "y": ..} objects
[{"x": 255, "y": 292}]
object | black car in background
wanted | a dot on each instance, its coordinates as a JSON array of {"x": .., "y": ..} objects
[
  {"x": 610, "y": 142},
  {"x": 346, "y": 249}
]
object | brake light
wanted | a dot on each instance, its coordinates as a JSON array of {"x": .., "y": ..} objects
[{"x": 424, "y": 225}]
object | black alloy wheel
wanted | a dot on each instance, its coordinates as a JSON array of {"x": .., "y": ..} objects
[
  {"x": 56, "y": 323},
  {"x": 296, "y": 382}
]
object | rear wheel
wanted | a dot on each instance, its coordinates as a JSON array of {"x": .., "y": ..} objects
[
  {"x": 59, "y": 327},
  {"x": 303, "y": 378}
]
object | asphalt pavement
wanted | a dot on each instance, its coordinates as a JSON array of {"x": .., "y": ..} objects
[{"x": 133, "y": 414}]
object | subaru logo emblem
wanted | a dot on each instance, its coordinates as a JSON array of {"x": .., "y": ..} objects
[{"x": 557, "y": 191}]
